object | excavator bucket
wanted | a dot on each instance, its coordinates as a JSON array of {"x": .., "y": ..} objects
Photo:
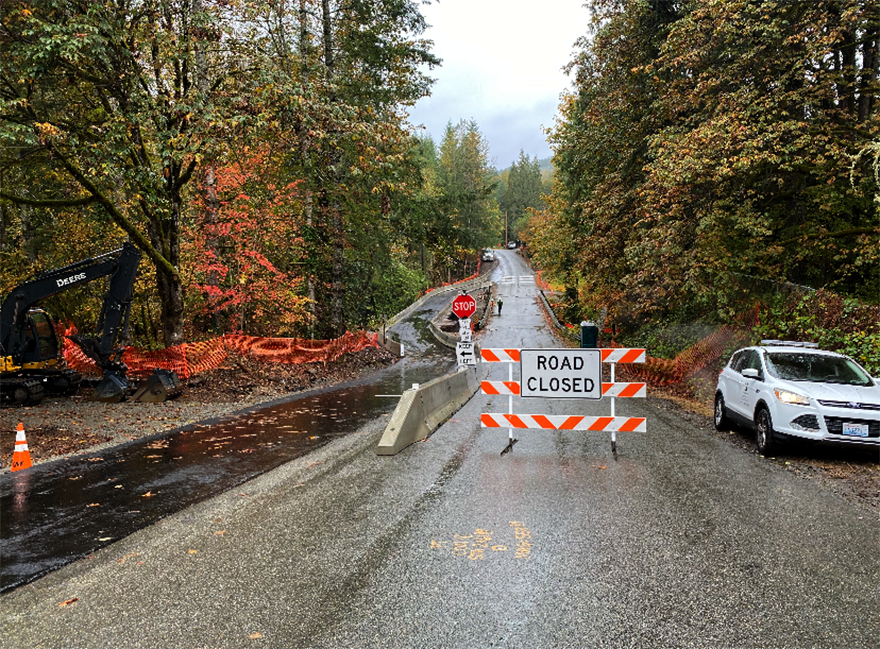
[
  {"x": 111, "y": 389},
  {"x": 161, "y": 385}
]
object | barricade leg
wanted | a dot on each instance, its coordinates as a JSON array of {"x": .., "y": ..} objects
[{"x": 510, "y": 440}]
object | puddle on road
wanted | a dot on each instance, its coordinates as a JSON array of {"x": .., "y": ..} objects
[{"x": 55, "y": 513}]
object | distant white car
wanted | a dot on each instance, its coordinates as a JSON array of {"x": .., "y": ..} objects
[
  {"x": 488, "y": 255},
  {"x": 511, "y": 245},
  {"x": 797, "y": 391}
]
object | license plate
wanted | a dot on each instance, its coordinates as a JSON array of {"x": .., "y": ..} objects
[{"x": 856, "y": 430}]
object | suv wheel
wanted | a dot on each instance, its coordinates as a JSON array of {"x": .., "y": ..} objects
[
  {"x": 721, "y": 420},
  {"x": 764, "y": 432}
]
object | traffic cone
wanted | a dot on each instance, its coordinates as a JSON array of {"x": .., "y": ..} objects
[{"x": 21, "y": 459}]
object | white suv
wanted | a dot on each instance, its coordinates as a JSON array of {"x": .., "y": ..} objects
[{"x": 794, "y": 390}]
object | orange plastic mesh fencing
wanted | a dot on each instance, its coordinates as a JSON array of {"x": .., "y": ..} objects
[
  {"x": 662, "y": 371},
  {"x": 543, "y": 285},
  {"x": 190, "y": 359}
]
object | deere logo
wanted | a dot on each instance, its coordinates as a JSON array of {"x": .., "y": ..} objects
[{"x": 70, "y": 280}]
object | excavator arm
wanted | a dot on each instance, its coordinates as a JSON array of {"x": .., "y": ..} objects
[{"x": 113, "y": 321}]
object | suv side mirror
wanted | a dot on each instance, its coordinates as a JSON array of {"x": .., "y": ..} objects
[{"x": 751, "y": 373}]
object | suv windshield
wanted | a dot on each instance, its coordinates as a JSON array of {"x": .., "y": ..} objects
[{"x": 817, "y": 368}]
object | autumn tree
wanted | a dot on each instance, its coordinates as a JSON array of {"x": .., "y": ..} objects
[
  {"x": 705, "y": 139},
  {"x": 123, "y": 106},
  {"x": 600, "y": 149},
  {"x": 355, "y": 66},
  {"x": 123, "y": 101}
]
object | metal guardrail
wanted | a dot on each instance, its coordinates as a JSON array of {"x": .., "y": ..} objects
[{"x": 550, "y": 312}]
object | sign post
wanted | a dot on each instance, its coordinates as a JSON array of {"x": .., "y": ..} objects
[{"x": 464, "y": 306}]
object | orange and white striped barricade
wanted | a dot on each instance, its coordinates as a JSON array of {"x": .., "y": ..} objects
[
  {"x": 500, "y": 355},
  {"x": 623, "y": 390},
  {"x": 564, "y": 422},
  {"x": 613, "y": 357},
  {"x": 612, "y": 390},
  {"x": 509, "y": 356}
]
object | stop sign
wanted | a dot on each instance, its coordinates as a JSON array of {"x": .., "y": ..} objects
[{"x": 464, "y": 306}]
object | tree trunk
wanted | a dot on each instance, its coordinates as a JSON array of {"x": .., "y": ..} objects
[
  {"x": 337, "y": 313},
  {"x": 165, "y": 236},
  {"x": 870, "y": 66},
  {"x": 304, "y": 53},
  {"x": 171, "y": 296},
  {"x": 211, "y": 240}
]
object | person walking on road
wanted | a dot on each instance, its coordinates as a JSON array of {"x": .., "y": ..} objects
[{"x": 500, "y": 304}]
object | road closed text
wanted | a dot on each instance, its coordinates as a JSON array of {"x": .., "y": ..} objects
[
  {"x": 561, "y": 373},
  {"x": 578, "y": 387}
]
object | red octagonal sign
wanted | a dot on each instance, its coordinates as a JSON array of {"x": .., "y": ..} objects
[{"x": 464, "y": 306}]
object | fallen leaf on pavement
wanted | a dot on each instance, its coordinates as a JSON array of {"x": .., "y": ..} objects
[
  {"x": 255, "y": 635},
  {"x": 68, "y": 602},
  {"x": 149, "y": 494}
]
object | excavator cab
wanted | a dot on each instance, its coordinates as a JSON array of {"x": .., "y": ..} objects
[{"x": 40, "y": 342}]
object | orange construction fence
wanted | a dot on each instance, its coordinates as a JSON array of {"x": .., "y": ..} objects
[
  {"x": 190, "y": 359},
  {"x": 663, "y": 371}
]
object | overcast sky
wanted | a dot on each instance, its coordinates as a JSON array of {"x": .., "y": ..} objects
[{"x": 502, "y": 66}]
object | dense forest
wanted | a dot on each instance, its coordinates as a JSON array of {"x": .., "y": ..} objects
[
  {"x": 711, "y": 147},
  {"x": 258, "y": 153},
  {"x": 261, "y": 157}
]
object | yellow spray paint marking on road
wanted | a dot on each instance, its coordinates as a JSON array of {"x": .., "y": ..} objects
[{"x": 483, "y": 543}]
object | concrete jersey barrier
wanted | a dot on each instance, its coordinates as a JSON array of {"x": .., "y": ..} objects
[{"x": 421, "y": 411}]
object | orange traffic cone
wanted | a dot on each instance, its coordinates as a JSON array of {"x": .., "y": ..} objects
[{"x": 21, "y": 459}]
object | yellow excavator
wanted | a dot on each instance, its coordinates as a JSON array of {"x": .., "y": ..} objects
[{"x": 30, "y": 354}]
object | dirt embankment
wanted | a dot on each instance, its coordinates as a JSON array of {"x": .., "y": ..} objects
[{"x": 68, "y": 425}]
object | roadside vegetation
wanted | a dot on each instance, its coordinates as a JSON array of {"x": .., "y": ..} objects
[
  {"x": 258, "y": 153},
  {"x": 714, "y": 158}
]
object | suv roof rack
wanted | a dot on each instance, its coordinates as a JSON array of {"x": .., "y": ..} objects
[{"x": 789, "y": 343}]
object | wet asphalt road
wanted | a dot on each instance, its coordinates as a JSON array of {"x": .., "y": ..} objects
[
  {"x": 58, "y": 512},
  {"x": 684, "y": 541}
]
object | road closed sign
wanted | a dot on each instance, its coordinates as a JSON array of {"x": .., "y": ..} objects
[{"x": 561, "y": 373}]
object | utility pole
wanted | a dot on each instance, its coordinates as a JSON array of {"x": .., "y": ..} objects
[{"x": 506, "y": 213}]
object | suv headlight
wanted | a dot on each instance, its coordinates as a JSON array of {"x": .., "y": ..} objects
[{"x": 791, "y": 398}]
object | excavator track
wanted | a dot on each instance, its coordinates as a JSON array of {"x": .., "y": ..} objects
[
  {"x": 61, "y": 382},
  {"x": 21, "y": 391}
]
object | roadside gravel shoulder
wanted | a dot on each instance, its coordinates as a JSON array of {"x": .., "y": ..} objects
[{"x": 852, "y": 473}]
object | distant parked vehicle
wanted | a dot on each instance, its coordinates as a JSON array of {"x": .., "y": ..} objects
[
  {"x": 511, "y": 245},
  {"x": 795, "y": 391},
  {"x": 488, "y": 255}
]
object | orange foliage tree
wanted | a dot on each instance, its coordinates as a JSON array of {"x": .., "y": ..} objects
[{"x": 245, "y": 250}]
